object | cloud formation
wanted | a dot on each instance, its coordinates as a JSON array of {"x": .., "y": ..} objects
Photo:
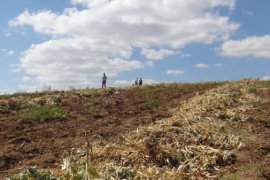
[
  {"x": 102, "y": 35},
  {"x": 26, "y": 79},
  {"x": 4, "y": 91},
  {"x": 153, "y": 54},
  {"x": 201, "y": 66},
  {"x": 77, "y": 62},
  {"x": 175, "y": 72},
  {"x": 251, "y": 46},
  {"x": 265, "y": 78},
  {"x": 7, "y": 52}
]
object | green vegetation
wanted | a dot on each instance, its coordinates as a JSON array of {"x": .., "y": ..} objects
[
  {"x": 43, "y": 113},
  {"x": 265, "y": 84},
  {"x": 253, "y": 89},
  {"x": 261, "y": 114},
  {"x": 33, "y": 173},
  {"x": 245, "y": 172},
  {"x": 149, "y": 93},
  {"x": 95, "y": 112}
]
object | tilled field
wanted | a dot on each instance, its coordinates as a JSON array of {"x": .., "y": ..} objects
[{"x": 104, "y": 114}]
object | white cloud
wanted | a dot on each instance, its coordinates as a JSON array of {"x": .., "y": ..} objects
[
  {"x": 265, "y": 78},
  {"x": 201, "y": 66},
  {"x": 149, "y": 81},
  {"x": 149, "y": 63},
  {"x": 137, "y": 22},
  {"x": 77, "y": 62},
  {"x": 4, "y": 91},
  {"x": 185, "y": 55},
  {"x": 123, "y": 83},
  {"x": 175, "y": 72},
  {"x": 251, "y": 46},
  {"x": 152, "y": 54},
  {"x": 102, "y": 36},
  {"x": 9, "y": 53},
  {"x": 26, "y": 79}
]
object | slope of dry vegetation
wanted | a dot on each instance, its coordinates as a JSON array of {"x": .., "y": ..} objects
[
  {"x": 36, "y": 129},
  {"x": 221, "y": 133}
]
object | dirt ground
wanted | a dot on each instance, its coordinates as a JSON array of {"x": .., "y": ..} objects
[
  {"x": 253, "y": 160},
  {"x": 105, "y": 115}
]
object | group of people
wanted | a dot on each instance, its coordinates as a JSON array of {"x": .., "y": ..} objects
[{"x": 138, "y": 82}]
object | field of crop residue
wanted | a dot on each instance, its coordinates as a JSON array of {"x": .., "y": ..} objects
[{"x": 166, "y": 131}]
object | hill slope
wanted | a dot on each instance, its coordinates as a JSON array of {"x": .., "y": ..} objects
[
  {"x": 220, "y": 132},
  {"x": 36, "y": 129}
]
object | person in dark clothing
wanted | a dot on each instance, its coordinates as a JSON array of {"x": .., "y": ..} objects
[
  {"x": 140, "y": 82},
  {"x": 104, "y": 80},
  {"x": 136, "y": 82}
]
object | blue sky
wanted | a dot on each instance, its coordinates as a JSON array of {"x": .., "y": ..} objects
[{"x": 72, "y": 42}]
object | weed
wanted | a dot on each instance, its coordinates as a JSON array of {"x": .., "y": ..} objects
[
  {"x": 43, "y": 113},
  {"x": 245, "y": 171},
  {"x": 153, "y": 104},
  {"x": 34, "y": 173},
  {"x": 148, "y": 92},
  {"x": 265, "y": 84},
  {"x": 4, "y": 110},
  {"x": 93, "y": 111},
  {"x": 253, "y": 90},
  {"x": 261, "y": 114}
]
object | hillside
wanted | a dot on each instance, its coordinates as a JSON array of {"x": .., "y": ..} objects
[{"x": 166, "y": 131}]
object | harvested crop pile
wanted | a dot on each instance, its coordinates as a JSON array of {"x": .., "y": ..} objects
[{"x": 197, "y": 142}]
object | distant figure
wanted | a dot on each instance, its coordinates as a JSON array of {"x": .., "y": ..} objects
[
  {"x": 136, "y": 82},
  {"x": 104, "y": 80},
  {"x": 140, "y": 82}
]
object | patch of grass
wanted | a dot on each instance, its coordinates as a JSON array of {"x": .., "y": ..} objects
[
  {"x": 263, "y": 118},
  {"x": 4, "y": 110},
  {"x": 153, "y": 104},
  {"x": 262, "y": 113},
  {"x": 265, "y": 84},
  {"x": 149, "y": 93},
  {"x": 247, "y": 171},
  {"x": 253, "y": 90},
  {"x": 43, "y": 113},
  {"x": 93, "y": 111}
]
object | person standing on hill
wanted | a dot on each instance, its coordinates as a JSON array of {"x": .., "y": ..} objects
[
  {"x": 104, "y": 80},
  {"x": 140, "y": 82},
  {"x": 136, "y": 82}
]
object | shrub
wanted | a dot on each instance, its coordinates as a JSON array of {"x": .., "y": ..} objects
[{"x": 43, "y": 113}]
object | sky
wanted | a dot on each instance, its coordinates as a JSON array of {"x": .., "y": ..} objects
[{"x": 71, "y": 43}]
